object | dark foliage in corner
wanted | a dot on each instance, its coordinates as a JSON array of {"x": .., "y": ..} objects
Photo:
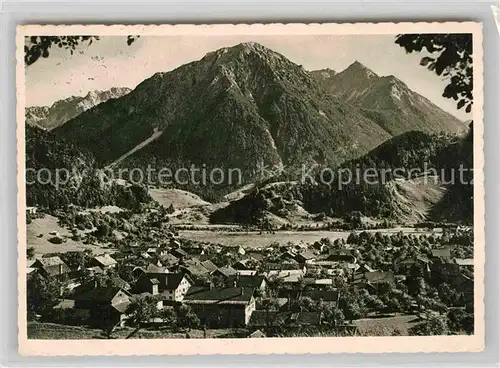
[
  {"x": 450, "y": 57},
  {"x": 39, "y": 46}
]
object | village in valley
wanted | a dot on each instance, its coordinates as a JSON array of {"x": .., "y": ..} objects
[{"x": 146, "y": 280}]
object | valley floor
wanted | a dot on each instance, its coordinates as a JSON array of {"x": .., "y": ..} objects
[{"x": 256, "y": 239}]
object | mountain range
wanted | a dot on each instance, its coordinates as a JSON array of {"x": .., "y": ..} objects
[
  {"x": 50, "y": 117},
  {"x": 388, "y": 101},
  {"x": 247, "y": 107},
  {"x": 239, "y": 107}
]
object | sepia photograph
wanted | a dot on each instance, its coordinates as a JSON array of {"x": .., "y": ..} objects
[{"x": 240, "y": 182}]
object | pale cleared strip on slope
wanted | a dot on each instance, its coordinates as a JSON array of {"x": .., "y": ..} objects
[{"x": 156, "y": 134}]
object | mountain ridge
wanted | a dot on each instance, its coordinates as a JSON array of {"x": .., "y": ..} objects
[
  {"x": 61, "y": 111},
  {"x": 241, "y": 106},
  {"x": 389, "y": 101}
]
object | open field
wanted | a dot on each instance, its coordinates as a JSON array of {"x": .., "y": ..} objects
[
  {"x": 52, "y": 331},
  {"x": 44, "y": 226},
  {"x": 386, "y": 326},
  {"x": 253, "y": 239},
  {"x": 180, "y": 199}
]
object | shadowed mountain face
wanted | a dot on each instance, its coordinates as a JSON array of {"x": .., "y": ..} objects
[
  {"x": 238, "y": 107},
  {"x": 388, "y": 101},
  {"x": 64, "y": 110}
]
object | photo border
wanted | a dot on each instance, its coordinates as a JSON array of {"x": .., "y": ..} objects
[{"x": 308, "y": 345}]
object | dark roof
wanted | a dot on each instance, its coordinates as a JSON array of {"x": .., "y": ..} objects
[
  {"x": 119, "y": 282},
  {"x": 178, "y": 252},
  {"x": 173, "y": 280},
  {"x": 325, "y": 295},
  {"x": 403, "y": 259},
  {"x": 219, "y": 295},
  {"x": 194, "y": 267},
  {"x": 307, "y": 254},
  {"x": 244, "y": 264},
  {"x": 166, "y": 281},
  {"x": 169, "y": 259},
  {"x": 227, "y": 271},
  {"x": 209, "y": 265},
  {"x": 49, "y": 261},
  {"x": 254, "y": 281},
  {"x": 194, "y": 250},
  {"x": 99, "y": 294},
  {"x": 288, "y": 265},
  {"x": 51, "y": 265},
  {"x": 152, "y": 268}
]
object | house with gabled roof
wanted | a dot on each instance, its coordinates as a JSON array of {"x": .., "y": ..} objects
[
  {"x": 117, "y": 281},
  {"x": 405, "y": 265},
  {"x": 286, "y": 276},
  {"x": 179, "y": 253},
  {"x": 193, "y": 268},
  {"x": 107, "y": 305},
  {"x": 51, "y": 267},
  {"x": 246, "y": 264},
  {"x": 224, "y": 272},
  {"x": 305, "y": 257},
  {"x": 257, "y": 282},
  {"x": 221, "y": 306},
  {"x": 209, "y": 265},
  {"x": 171, "y": 286},
  {"x": 105, "y": 261},
  {"x": 373, "y": 280},
  {"x": 169, "y": 260},
  {"x": 343, "y": 255},
  {"x": 152, "y": 268}
]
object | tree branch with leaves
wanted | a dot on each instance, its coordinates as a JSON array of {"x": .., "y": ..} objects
[
  {"x": 450, "y": 56},
  {"x": 36, "y": 47}
]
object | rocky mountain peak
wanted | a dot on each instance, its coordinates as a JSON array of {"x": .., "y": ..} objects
[
  {"x": 324, "y": 74},
  {"x": 66, "y": 109},
  {"x": 356, "y": 68}
]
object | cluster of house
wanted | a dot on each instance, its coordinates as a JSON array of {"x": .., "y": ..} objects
[{"x": 226, "y": 296}]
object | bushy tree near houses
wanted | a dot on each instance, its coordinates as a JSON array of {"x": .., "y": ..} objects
[{"x": 141, "y": 311}]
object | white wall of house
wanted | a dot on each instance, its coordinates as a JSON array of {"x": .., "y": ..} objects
[
  {"x": 249, "y": 310},
  {"x": 182, "y": 289},
  {"x": 179, "y": 293}
]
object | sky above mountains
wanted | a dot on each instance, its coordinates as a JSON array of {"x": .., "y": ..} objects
[{"x": 111, "y": 63}]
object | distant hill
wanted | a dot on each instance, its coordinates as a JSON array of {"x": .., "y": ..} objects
[
  {"x": 388, "y": 101},
  {"x": 238, "y": 107},
  {"x": 50, "y": 117}
]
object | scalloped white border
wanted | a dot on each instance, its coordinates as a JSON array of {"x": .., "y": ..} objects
[{"x": 309, "y": 345}]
